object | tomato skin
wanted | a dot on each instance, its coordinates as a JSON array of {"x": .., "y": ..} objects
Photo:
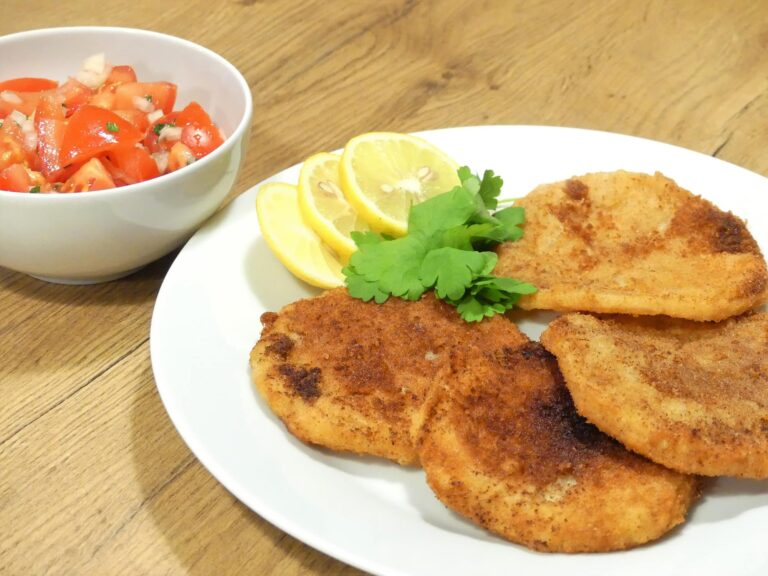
[
  {"x": 28, "y": 84},
  {"x": 133, "y": 164},
  {"x": 201, "y": 140},
  {"x": 88, "y": 134},
  {"x": 90, "y": 176},
  {"x": 121, "y": 75},
  {"x": 162, "y": 95},
  {"x": 200, "y": 134},
  {"x": 193, "y": 113},
  {"x": 50, "y": 126}
]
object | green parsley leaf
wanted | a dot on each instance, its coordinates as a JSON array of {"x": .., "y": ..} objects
[
  {"x": 490, "y": 188},
  {"x": 363, "y": 289},
  {"x": 34, "y": 190},
  {"x": 159, "y": 127},
  {"x": 394, "y": 265},
  {"x": 511, "y": 219},
  {"x": 441, "y": 212},
  {"x": 451, "y": 270},
  {"x": 445, "y": 250},
  {"x": 113, "y": 127}
]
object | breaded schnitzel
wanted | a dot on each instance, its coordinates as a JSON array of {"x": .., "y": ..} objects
[
  {"x": 354, "y": 376},
  {"x": 631, "y": 243},
  {"x": 692, "y": 396},
  {"x": 504, "y": 446}
]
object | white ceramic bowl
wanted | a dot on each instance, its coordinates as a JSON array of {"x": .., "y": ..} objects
[{"x": 101, "y": 235}]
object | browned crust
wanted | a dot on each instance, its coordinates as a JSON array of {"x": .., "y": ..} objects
[
  {"x": 504, "y": 446},
  {"x": 630, "y": 243},
  {"x": 691, "y": 396},
  {"x": 355, "y": 376}
]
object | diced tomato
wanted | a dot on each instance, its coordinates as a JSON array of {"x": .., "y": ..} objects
[
  {"x": 201, "y": 140},
  {"x": 121, "y": 75},
  {"x": 18, "y": 178},
  {"x": 12, "y": 129},
  {"x": 162, "y": 95},
  {"x": 88, "y": 139},
  {"x": 90, "y": 176},
  {"x": 24, "y": 102},
  {"x": 193, "y": 113},
  {"x": 50, "y": 126},
  {"x": 152, "y": 138},
  {"x": 14, "y": 178},
  {"x": 28, "y": 84},
  {"x": 75, "y": 94},
  {"x": 135, "y": 117},
  {"x": 11, "y": 151},
  {"x": 133, "y": 165},
  {"x": 92, "y": 130},
  {"x": 200, "y": 135},
  {"x": 103, "y": 99},
  {"x": 51, "y": 105},
  {"x": 179, "y": 157}
]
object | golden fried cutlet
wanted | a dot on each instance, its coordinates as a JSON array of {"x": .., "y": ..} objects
[
  {"x": 504, "y": 446},
  {"x": 631, "y": 243},
  {"x": 354, "y": 376},
  {"x": 692, "y": 396}
]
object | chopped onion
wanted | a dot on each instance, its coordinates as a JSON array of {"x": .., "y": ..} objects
[
  {"x": 161, "y": 159},
  {"x": 10, "y": 97},
  {"x": 170, "y": 133},
  {"x": 18, "y": 117},
  {"x": 94, "y": 71},
  {"x": 27, "y": 126},
  {"x": 30, "y": 138},
  {"x": 154, "y": 116},
  {"x": 142, "y": 104}
]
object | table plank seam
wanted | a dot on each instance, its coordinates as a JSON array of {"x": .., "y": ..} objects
[
  {"x": 156, "y": 491},
  {"x": 74, "y": 392}
]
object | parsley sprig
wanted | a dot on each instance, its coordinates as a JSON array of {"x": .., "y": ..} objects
[{"x": 447, "y": 249}]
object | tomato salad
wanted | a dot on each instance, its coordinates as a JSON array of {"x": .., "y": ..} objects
[{"x": 100, "y": 129}]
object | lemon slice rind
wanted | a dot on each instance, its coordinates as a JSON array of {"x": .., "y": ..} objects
[
  {"x": 289, "y": 237},
  {"x": 320, "y": 176}
]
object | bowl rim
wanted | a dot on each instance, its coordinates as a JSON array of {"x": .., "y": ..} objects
[{"x": 236, "y": 136}]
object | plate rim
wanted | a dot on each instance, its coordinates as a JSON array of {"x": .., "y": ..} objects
[{"x": 209, "y": 461}]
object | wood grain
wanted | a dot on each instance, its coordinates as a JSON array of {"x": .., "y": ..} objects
[{"x": 94, "y": 478}]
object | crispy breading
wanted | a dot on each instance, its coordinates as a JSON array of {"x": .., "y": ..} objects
[
  {"x": 630, "y": 243},
  {"x": 692, "y": 396},
  {"x": 504, "y": 446},
  {"x": 354, "y": 376}
]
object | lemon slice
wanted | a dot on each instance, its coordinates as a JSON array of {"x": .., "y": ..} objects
[
  {"x": 324, "y": 206},
  {"x": 293, "y": 242},
  {"x": 384, "y": 173}
]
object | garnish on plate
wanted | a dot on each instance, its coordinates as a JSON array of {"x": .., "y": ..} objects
[{"x": 446, "y": 249}]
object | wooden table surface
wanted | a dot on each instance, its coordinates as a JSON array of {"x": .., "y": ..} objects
[{"x": 94, "y": 478}]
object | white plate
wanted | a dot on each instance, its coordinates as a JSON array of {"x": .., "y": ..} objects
[{"x": 370, "y": 513}]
